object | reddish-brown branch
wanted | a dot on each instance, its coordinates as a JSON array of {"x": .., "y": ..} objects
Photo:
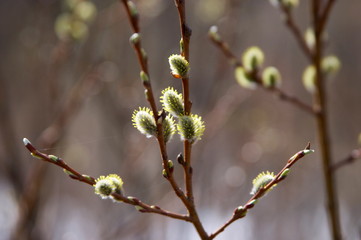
[
  {"x": 134, "y": 20},
  {"x": 250, "y": 203},
  {"x": 72, "y": 173}
]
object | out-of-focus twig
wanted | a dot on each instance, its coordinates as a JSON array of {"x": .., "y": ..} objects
[
  {"x": 223, "y": 46},
  {"x": 352, "y": 157}
]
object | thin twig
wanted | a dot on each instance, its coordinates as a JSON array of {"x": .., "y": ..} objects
[
  {"x": 223, "y": 46},
  {"x": 352, "y": 157},
  {"x": 72, "y": 173},
  {"x": 241, "y": 212}
]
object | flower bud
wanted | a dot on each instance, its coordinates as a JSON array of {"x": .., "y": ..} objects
[
  {"x": 252, "y": 58},
  {"x": 179, "y": 66},
  {"x": 144, "y": 77},
  {"x": 240, "y": 212},
  {"x": 164, "y": 173},
  {"x": 213, "y": 33},
  {"x": 132, "y": 9},
  {"x": 169, "y": 128},
  {"x": 85, "y": 11},
  {"x": 181, "y": 45},
  {"x": 310, "y": 38},
  {"x": 117, "y": 183},
  {"x": 191, "y": 128},
  {"x": 135, "y": 38},
  {"x": 309, "y": 78},
  {"x": 180, "y": 157},
  {"x": 271, "y": 77},
  {"x": 54, "y": 158},
  {"x": 330, "y": 64},
  {"x": 105, "y": 186},
  {"x": 243, "y": 79},
  {"x": 284, "y": 174},
  {"x": 172, "y": 102},
  {"x": 170, "y": 165},
  {"x": 261, "y": 181},
  {"x": 143, "y": 120}
]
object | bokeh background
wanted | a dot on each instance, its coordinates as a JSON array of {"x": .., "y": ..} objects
[{"x": 246, "y": 131}]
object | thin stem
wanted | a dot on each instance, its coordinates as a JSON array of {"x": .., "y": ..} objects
[
  {"x": 74, "y": 174},
  {"x": 223, "y": 46},
  {"x": 352, "y": 157},
  {"x": 251, "y": 202},
  {"x": 322, "y": 125}
]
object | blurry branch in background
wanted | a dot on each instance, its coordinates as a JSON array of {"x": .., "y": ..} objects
[
  {"x": 49, "y": 139},
  {"x": 256, "y": 78},
  {"x": 312, "y": 45},
  {"x": 352, "y": 157}
]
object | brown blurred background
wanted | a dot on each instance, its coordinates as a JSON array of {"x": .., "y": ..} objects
[{"x": 246, "y": 131}]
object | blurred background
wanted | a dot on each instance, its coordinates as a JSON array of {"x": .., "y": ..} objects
[{"x": 72, "y": 93}]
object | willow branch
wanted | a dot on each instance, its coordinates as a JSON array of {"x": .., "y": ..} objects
[
  {"x": 134, "y": 20},
  {"x": 74, "y": 174},
  {"x": 241, "y": 211},
  {"x": 223, "y": 46}
]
